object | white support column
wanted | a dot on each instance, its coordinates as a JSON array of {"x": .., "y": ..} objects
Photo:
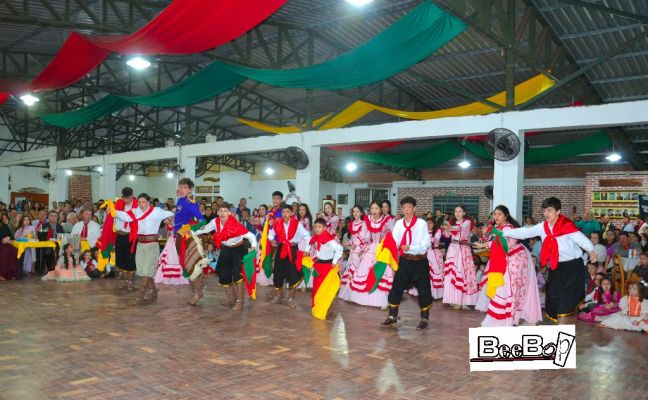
[
  {"x": 189, "y": 166},
  {"x": 308, "y": 180},
  {"x": 52, "y": 185},
  {"x": 508, "y": 181},
  {"x": 108, "y": 181},
  {"x": 5, "y": 195},
  {"x": 59, "y": 188}
]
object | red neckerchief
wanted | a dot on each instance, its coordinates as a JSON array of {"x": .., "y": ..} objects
[
  {"x": 592, "y": 284},
  {"x": 382, "y": 221},
  {"x": 353, "y": 231},
  {"x": 50, "y": 232},
  {"x": 321, "y": 239},
  {"x": 134, "y": 225},
  {"x": 231, "y": 229},
  {"x": 549, "y": 253},
  {"x": 407, "y": 235},
  {"x": 283, "y": 237},
  {"x": 38, "y": 226},
  {"x": 120, "y": 205},
  {"x": 84, "y": 230}
]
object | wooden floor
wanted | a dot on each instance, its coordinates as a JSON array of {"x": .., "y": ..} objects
[{"x": 83, "y": 341}]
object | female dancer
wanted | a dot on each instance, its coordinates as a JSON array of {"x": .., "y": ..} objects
[
  {"x": 332, "y": 220},
  {"x": 169, "y": 271},
  {"x": 435, "y": 261},
  {"x": 373, "y": 232},
  {"x": 356, "y": 247},
  {"x": 460, "y": 282},
  {"x": 305, "y": 217},
  {"x": 518, "y": 297},
  {"x": 262, "y": 279}
]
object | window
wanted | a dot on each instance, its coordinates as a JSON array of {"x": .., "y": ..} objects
[
  {"x": 527, "y": 204},
  {"x": 448, "y": 203},
  {"x": 364, "y": 197}
]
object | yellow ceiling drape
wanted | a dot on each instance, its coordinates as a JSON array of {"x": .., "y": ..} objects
[{"x": 523, "y": 92}]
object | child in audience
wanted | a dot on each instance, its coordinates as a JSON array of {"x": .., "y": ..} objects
[
  {"x": 607, "y": 302},
  {"x": 67, "y": 268},
  {"x": 212, "y": 256},
  {"x": 90, "y": 265},
  {"x": 634, "y": 310},
  {"x": 591, "y": 294}
]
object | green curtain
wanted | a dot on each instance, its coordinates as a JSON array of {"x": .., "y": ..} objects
[
  {"x": 591, "y": 143},
  {"x": 409, "y": 40},
  {"x": 426, "y": 157}
]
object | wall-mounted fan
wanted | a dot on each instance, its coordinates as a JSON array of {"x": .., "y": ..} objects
[
  {"x": 295, "y": 157},
  {"x": 47, "y": 177},
  {"x": 502, "y": 144},
  {"x": 488, "y": 192}
]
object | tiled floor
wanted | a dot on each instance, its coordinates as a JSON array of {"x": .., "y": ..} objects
[{"x": 82, "y": 340}]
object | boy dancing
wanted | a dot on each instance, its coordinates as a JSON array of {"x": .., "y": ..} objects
[
  {"x": 326, "y": 253},
  {"x": 290, "y": 238},
  {"x": 411, "y": 236},
  {"x": 229, "y": 235},
  {"x": 561, "y": 248}
]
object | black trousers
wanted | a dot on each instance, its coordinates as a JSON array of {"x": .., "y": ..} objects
[
  {"x": 285, "y": 270},
  {"x": 124, "y": 259},
  {"x": 564, "y": 288},
  {"x": 412, "y": 273},
  {"x": 46, "y": 260},
  {"x": 229, "y": 264}
]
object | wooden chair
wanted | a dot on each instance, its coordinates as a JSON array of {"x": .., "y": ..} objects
[{"x": 619, "y": 275}]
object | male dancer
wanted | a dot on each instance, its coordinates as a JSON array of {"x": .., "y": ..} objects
[
  {"x": 144, "y": 222},
  {"x": 561, "y": 250},
  {"x": 291, "y": 240},
  {"x": 411, "y": 236},
  {"x": 124, "y": 257},
  {"x": 188, "y": 218},
  {"x": 267, "y": 251},
  {"x": 326, "y": 254},
  {"x": 229, "y": 235}
]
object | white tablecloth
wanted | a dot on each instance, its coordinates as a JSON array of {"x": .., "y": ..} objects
[{"x": 629, "y": 263}]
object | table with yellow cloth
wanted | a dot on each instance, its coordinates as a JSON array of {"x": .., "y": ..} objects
[{"x": 21, "y": 246}]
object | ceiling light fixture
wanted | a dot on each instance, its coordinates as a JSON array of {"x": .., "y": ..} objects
[
  {"x": 99, "y": 169},
  {"x": 68, "y": 172},
  {"x": 359, "y": 3},
  {"x": 351, "y": 166},
  {"x": 269, "y": 171},
  {"x": 138, "y": 63},
  {"x": 170, "y": 175},
  {"x": 131, "y": 177},
  {"x": 29, "y": 99},
  {"x": 464, "y": 164},
  {"x": 614, "y": 157}
]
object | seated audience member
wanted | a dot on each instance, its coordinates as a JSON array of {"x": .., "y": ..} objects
[
  {"x": 70, "y": 221},
  {"x": 640, "y": 272},
  {"x": 588, "y": 225},
  {"x": 607, "y": 302},
  {"x": 67, "y": 268},
  {"x": 89, "y": 265},
  {"x": 601, "y": 251},
  {"x": 628, "y": 225}
]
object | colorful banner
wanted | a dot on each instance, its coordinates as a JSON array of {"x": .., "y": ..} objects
[
  {"x": 523, "y": 92},
  {"x": 386, "y": 256},
  {"x": 184, "y": 27},
  {"x": 407, "y": 41}
]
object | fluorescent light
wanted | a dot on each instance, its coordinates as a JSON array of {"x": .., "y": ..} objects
[
  {"x": 138, "y": 63},
  {"x": 269, "y": 171},
  {"x": 99, "y": 169},
  {"x": 131, "y": 177},
  {"x": 614, "y": 157},
  {"x": 68, "y": 172},
  {"x": 170, "y": 175},
  {"x": 359, "y": 3},
  {"x": 29, "y": 99},
  {"x": 351, "y": 166},
  {"x": 464, "y": 164}
]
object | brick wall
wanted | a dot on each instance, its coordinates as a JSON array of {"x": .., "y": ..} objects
[
  {"x": 592, "y": 183},
  {"x": 571, "y": 197},
  {"x": 80, "y": 187}
]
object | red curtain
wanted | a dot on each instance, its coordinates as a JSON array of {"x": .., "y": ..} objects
[
  {"x": 184, "y": 27},
  {"x": 3, "y": 97},
  {"x": 369, "y": 147}
]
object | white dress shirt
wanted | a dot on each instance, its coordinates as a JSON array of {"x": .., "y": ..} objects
[
  {"x": 120, "y": 223},
  {"x": 569, "y": 246},
  {"x": 420, "y": 236},
  {"x": 301, "y": 238},
  {"x": 149, "y": 225},
  {"x": 331, "y": 250},
  {"x": 212, "y": 226},
  {"x": 94, "y": 231}
]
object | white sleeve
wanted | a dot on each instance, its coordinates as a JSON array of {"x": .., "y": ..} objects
[
  {"x": 303, "y": 238},
  {"x": 211, "y": 226},
  {"x": 76, "y": 229},
  {"x": 397, "y": 233},
  {"x": 581, "y": 240},
  {"x": 524, "y": 233},
  {"x": 251, "y": 238},
  {"x": 623, "y": 305},
  {"x": 94, "y": 231},
  {"x": 338, "y": 252},
  {"x": 421, "y": 237},
  {"x": 164, "y": 214},
  {"x": 123, "y": 216}
]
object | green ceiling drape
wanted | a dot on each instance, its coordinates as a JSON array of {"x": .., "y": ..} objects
[{"x": 409, "y": 40}]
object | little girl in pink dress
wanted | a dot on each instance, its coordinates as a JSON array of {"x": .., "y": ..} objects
[
  {"x": 608, "y": 303},
  {"x": 67, "y": 268},
  {"x": 357, "y": 246}
]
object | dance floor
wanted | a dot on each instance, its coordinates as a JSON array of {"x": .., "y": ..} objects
[{"x": 83, "y": 341}]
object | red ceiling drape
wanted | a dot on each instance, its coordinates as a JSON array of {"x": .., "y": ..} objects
[{"x": 184, "y": 27}]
